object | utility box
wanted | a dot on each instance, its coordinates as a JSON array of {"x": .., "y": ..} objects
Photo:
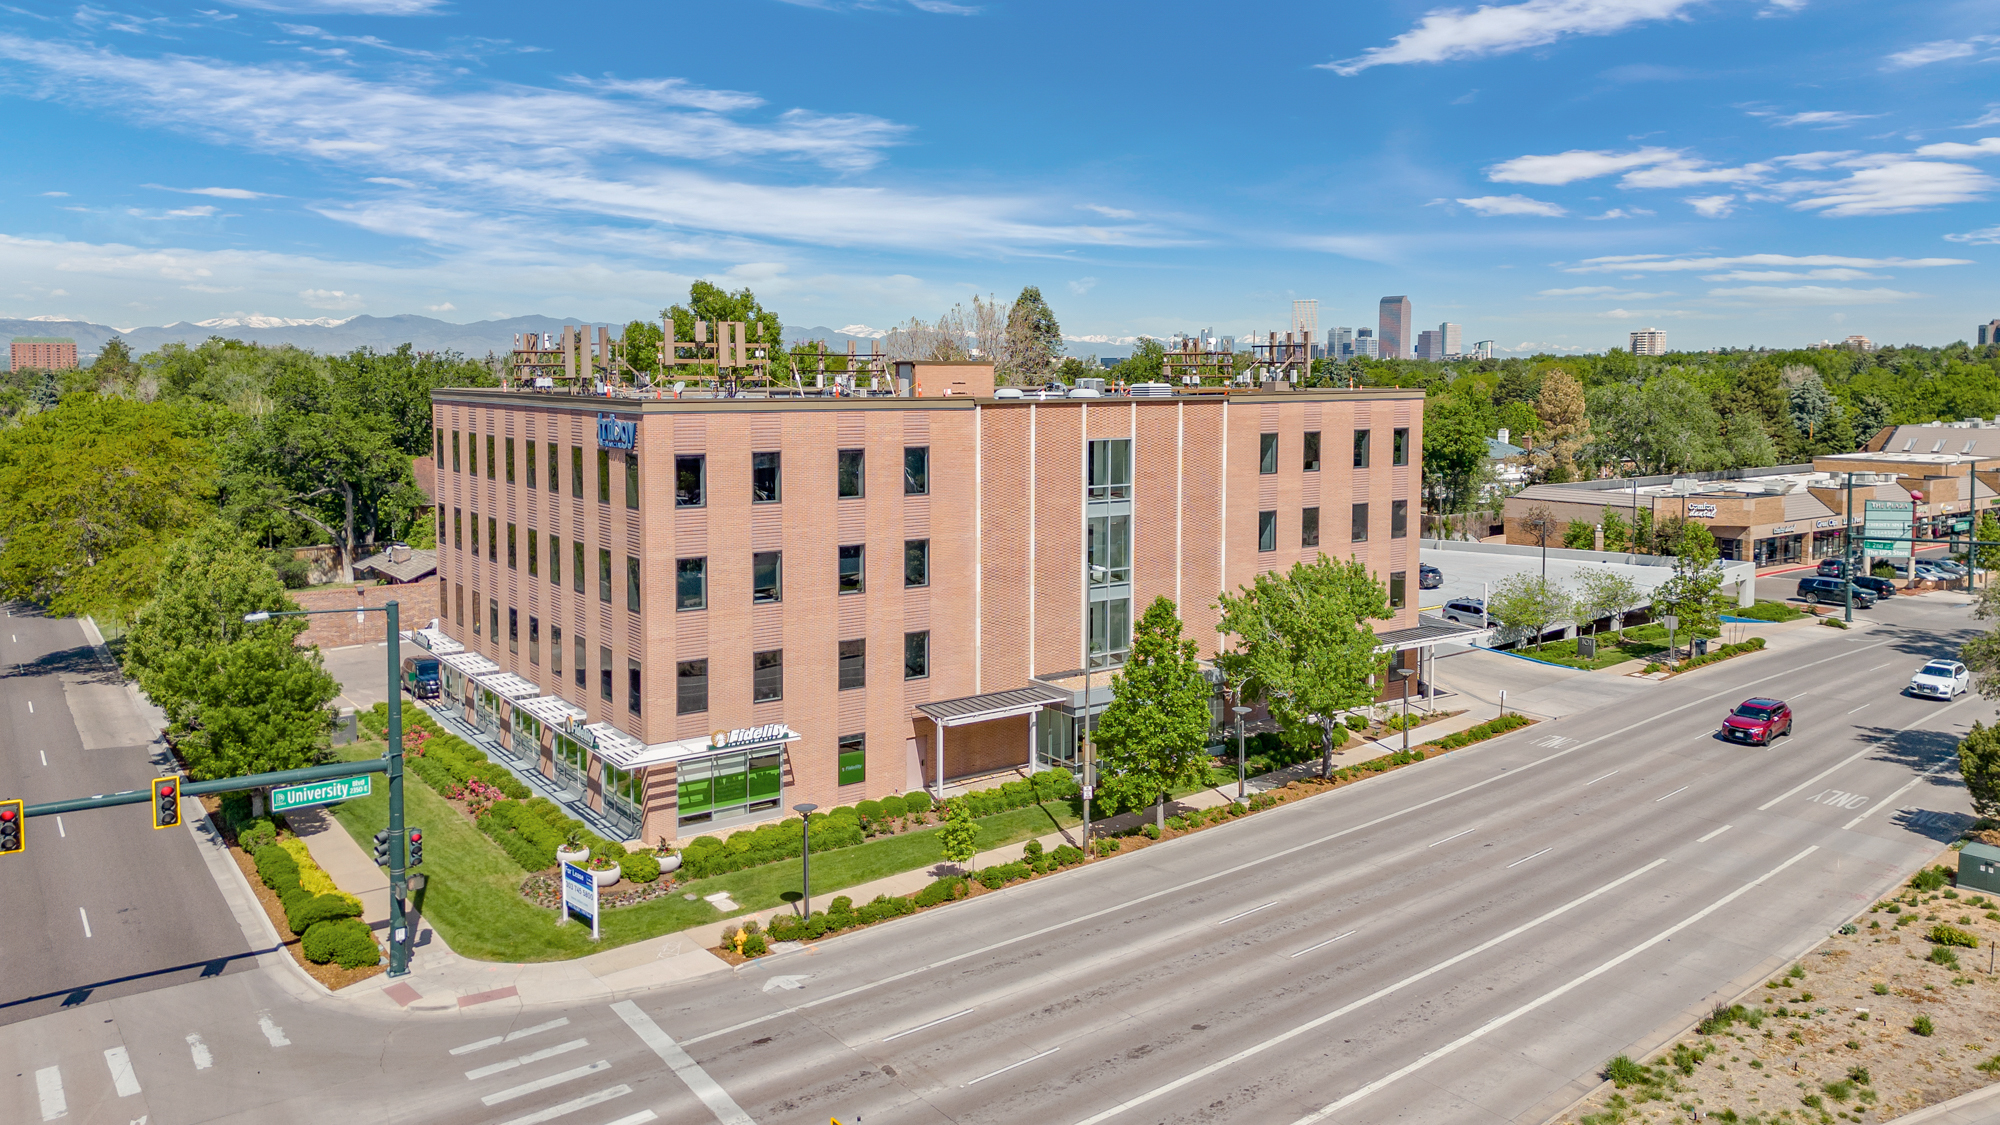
[
  {"x": 1701, "y": 646},
  {"x": 1979, "y": 867},
  {"x": 1586, "y": 647}
]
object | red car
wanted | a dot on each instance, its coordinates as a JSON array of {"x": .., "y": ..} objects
[{"x": 1760, "y": 721}]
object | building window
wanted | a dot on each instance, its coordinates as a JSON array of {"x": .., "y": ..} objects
[
  {"x": 555, "y": 651},
  {"x": 1267, "y": 531},
  {"x": 604, "y": 476},
  {"x": 1110, "y": 631},
  {"x": 604, "y": 672},
  {"x": 690, "y": 481},
  {"x": 440, "y": 523},
  {"x": 458, "y": 597},
  {"x": 690, "y": 583},
  {"x": 1109, "y": 549},
  {"x": 513, "y": 630},
  {"x": 1312, "y": 451},
  {"x": 576, "y": 471},
  {"x": 1399, "y": 448},
  {"x": 472, "y": 453},
  {"x": 510, "y": 460},
  {"x": 489, "y": 457},
  {"x": 767, "y": 576},
  {"x": 1267, "y": 454},
  {"x": 691, "y": 687},
  {"x": 581, "y": 673},
  {"x": 555, "y": 561},
  {"x": 767, "y": 676},
  {"x": 916, "y": 470},
  {"x": 632, "y": 480},
  {"x": 853, "y": 759},
  {"x": 534, "y": 555},
  {"x": 493, "y": 617},
  {"x": 853, "y": 664},
  {"x": 492, "y": 539},
  {"x": 458, "y": 530},
  {"x": 1399, "y": 519},
  {"x": 1110, "y": 470},
  {"x": 475, "y": 535},
  {"x": 576, "y": 567},
  {"x": 555, "y": 482},
  {"x": 764, "y": 482},
  {"x": 534, "y": 639},
  {"x": 533, "y": 479},
  {"x": 632, "y": 685},
  {"x": 604, "y": 575},
  {"x": 477, "y": 628},
  {"x": 1361, "y": 449},
  {"x": 916, "y": 562},
  {"x": 853, "y": 466},
  {"x": 1309, "y": 528},
  {"x": 440, "y": 447},
  {"x": 1398, "y": 580},
  {"x": 916, "y": 655},
  {"x": 1360, "y": 533},
  {"x": 511, "y": 553},
  {"x": 631, "y": 584},
  {"x": 454, "y": 451},
  {"x": 852, "y": 569}
]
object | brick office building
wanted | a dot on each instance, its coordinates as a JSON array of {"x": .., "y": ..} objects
[
  {"x": 698, "y": 612},
  {"x": 43, "y": 353}
]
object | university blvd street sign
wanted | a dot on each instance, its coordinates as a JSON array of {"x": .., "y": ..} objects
[{"x": 289, "y": 797}]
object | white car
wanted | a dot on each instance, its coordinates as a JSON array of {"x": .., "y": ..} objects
[{"x": 1941, "y": 679}]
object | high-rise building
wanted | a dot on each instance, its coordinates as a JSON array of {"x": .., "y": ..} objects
[
  {"x": 1366, "y": 345},
  {"x": 1430, "y": 344},
  {"x": 1649, "y": 341},
  {"x": 1394, "y": 321},
  {"x": 1452, "y": 338},
  {"x": 1305, "y": 318},
  {"x": 44, "y": 353},
  {"x": 1482, "y": 350},
  {"x": 1989, "y": 333},
  {"x": 1339, "y": 342}
]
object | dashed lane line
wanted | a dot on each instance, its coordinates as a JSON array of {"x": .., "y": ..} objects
[{"x": 1863, "y": 752}]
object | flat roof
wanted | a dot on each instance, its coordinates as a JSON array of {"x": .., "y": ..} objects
[{"x": 545, "y": 400}]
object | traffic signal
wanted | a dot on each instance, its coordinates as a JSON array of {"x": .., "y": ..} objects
[
  {"x": 416, "y": 847},
  {"x": 382, "y": 848},
  {"x": 166, "y": 802},
  {"x": 13, "y": 828}
]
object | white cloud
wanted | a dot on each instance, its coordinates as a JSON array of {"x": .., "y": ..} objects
[
  {"x": 672, "y": 91},
  {"x": 1814, "y": 160},
  {"x": 1986, "y": 146},
  {"x": 55, "y": 195},
  {"x": 1512, "y": 205},
  {"x": 1793, "y": 275},
  {"x": 1454, "y": 33},
  {"x": 215, "y": 192},
  {"x": 347, "y": 7},
  {"x": 863, "y": 331},
  {"x": 1987, "y": 237},
  {"x": 1620, "y": 213},
  {"x": 1897, "y": 187},
  {"x": 330, "y": 299},
  {"x": 1576, "y": 164},
  {"x": 1082, "y": 285},
  {"x": 1662, "y": 263},
  {"x": 1605, "y": 292},
  {"x": 1712, "y": 206},
  {"x": 202, "y": 211},
  {"x": 1819, "y": 118},
  {"x": 1639, "y": 314},
  {"x": 1101, "y": 339},
  {"x": 444, "y": 308},
  {"x": 1682, "y": 173},
  {"x": 1810, "y": 295},
  {"x": 1108, "y": 212},
  {"x": 1990, "y": 117},
  {"x": 1939, "y": 50}
]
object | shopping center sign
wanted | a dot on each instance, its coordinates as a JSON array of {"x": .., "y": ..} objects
[{"x": 1885, "y": 522}]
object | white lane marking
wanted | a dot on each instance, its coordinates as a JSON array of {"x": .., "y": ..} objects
[
  {"x": 532, "y": 1056},
  {"x": 707, "y": 1089},
  {"x": 1323, "y": 945},
  {"x": 526, "y": 1088},
  {"x": 31, "y": 706},
  {"x": 45, "y": 757},
  {"x": 1386, "y": 990},
  {"x": 1501, "y": 1021},
  {"x": 786, "y": 983},
  {"x": 202, "y": 1058},
  {"x": 1885, "y": 665},
  {"x": 1525, "y": 859},
  {"x": 1010, "y": 1066},
  {"x": 1907, "y": 786},
  {"x": 48, "y": 1083},
  {"x": 61, "y": 832},
  {"x": 641, "y": 1117},
  {"x": 1246, "y": 913},
  {"x": 1450, "y": 838},
  {"x": 86, "y": 920},
  {"x": 271, "y": 1030},
  {"x": 927, "y": 1026},
  {"x": 1865, "y": 750},
  {"x": 1282, "y": 853},
  {"x": 510, "y": 1036},
  {"x": 1858, "y": 708},
  {"x": 584, "y": 1102},
  {"x": 1714, "y": 834},
  {"x": 1595, "y": 780},
  {"x": 1839, "y": 798},
  {"x": 122, "y": 1078},
  {"x": 1682, "y": 789}
]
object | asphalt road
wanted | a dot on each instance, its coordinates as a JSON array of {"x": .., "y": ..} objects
[
  {"x": 1466, "y": 940},
  {"x": 101, "y": 905}
]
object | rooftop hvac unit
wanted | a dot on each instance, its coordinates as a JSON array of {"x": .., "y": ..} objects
[
  {"x": 1093, "y": 384},
  {"x": 1684, "y": 485},
  {"x": 1151, "y": 390}
]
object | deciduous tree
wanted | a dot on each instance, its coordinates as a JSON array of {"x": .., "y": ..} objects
[
  {"x": 1529, "y": 602},
  {"x": 960, "y": 834},
  {"x": 1154, "y": 734},
  {"x": 1979, "y": 764},
  {"x": 1603, "y": 592},
  {"x": 1690, "y": 593}
]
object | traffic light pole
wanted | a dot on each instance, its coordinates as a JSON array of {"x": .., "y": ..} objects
[{"x": 399, "y": 884}]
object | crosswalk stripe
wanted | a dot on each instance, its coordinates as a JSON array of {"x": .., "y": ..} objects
[
  {"x": 48, "y": 1083},
  {"x": 536, "y": 1056},
  {"x": 120, "y": 1062},
  {"x": 272, "y": 1031},
  {"x": 639, "y": 1118},
  {"x": 526, "y": 1088},
  {"x": 509, "y": 1037},
  {"x": 676, "y": 1057},
  {"x": 202, "y": 1058},
  {"x": 584, "y": 1102}
]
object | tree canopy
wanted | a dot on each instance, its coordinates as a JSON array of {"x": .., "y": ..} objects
[{"x": 1154, "y": 734}]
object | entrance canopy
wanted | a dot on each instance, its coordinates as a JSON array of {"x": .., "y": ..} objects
[
  {"x": 470, "y": 663},
  {"x": 1430, "y": 631},
  {"x": 993, "y": 705},
  {"x": 629, "y": 753}
]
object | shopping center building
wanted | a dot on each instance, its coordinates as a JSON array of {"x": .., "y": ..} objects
[{"x": 697, "y": 612}]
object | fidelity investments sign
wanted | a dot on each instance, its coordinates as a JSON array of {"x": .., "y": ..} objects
[{"x": 742, "y": 738}]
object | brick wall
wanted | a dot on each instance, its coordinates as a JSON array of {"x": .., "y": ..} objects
[{"x": 417, "y": 603}]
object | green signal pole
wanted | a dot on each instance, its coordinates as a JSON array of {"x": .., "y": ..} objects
[{"x": 399, "y": 885}]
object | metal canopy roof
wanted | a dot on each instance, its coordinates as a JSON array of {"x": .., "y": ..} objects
[
  {"x": 508, "y": 684},
  {"x": 634, "y": 755},
  {"x": 470, "y": 663},
  {"x": 553, "y": 710},
  {"x": 993, "y": 705},
  {"x": 1430, "y": 631},
  {"x": 436, "y": 642}
]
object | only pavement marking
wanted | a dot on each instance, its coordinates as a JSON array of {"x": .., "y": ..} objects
[
  {"x": 48, "y": 1084},
  {"x": 509, "y": 1037},
  {"x": 122, "y": 1078},
  {"x": 707, "y": 1089}
]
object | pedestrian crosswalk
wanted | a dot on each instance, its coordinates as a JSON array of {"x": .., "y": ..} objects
[
  {"x": 60, "y": 1089},
  {"x": 560, "y": 1082}
]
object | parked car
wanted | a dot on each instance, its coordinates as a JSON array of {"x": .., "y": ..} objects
[
  {"x": 1760, "y": 721},
  {"x": 1833, "y": 568},
  {"x": 1880, "y": 587},
  {"x": 1467, "y": 611},
  {"x": 1941, "y": 679},
  {"x": 1951, "y": 567},
  {"x": 1833, "y": 591},
  {"x": 1429, "y": 577}
]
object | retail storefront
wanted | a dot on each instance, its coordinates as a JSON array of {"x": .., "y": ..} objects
[
  {"x": 539, "y": 724},
  {"x": 729, "y": 776},
  {"x": 1782, "y": 544},
  {"x": 1829, "y": 538}
]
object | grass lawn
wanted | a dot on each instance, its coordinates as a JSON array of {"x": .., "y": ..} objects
[
  {"x": 1644, "y": 642},
  {"x": 474, "y": 901}
]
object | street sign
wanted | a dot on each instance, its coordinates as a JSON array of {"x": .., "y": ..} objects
[
  {"x": 1883, "y": 523},
  {"x": 319, "y": 792},
  {"x": 579, "y": 896}
]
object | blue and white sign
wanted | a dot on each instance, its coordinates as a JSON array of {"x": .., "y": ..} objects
[
  {"x": 615, "y": 433},
  {"x": 579, "y": 896}
]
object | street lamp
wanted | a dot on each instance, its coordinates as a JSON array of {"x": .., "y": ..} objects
[
  {"x": 399, "y": 885},
  {"x": 805, "y": 812},
  {"x": 1403, "y": 676},
  {"x": 1240, "y": 712}
]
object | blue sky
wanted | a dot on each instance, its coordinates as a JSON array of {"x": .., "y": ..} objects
[{"x": 1550, "y": 174}]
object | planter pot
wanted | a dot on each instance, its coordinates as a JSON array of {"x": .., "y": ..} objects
[
  {"x": 670, "y": 864},
  {"x": 572, "y": 855},
  {"x": 608, "y": 876}
]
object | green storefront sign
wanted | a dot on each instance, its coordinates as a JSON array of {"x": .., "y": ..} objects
[{"x": 319, "y": 792}]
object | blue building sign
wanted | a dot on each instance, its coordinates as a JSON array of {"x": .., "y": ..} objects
[{"x": 612, "y": 433}]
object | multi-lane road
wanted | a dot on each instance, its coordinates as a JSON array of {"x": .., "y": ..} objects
[{"x": 1464, "y": 940}]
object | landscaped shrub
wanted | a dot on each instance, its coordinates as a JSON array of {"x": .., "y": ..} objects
[
  {"x": 347, "y": 943},
  {"x": 993, "y": 878},
  {"x": 640, "y": 867},
  {"x": 1356, "y": 722},
  {"x": 869, "y": 810},
  {"x": 444, "y": 759},
  {"x": 278, "y": 869},
  {"x": 1483, "y": 731},
  {"x": 1942, "y": 934},
  {"x": 1931, "y": 878},
  {"x": 255, "y": 833},
  {"x": 1753, "y": 644},
  {"x": 895, "y": 808},
  {"x": 303, "y": 911},
  {"x": 943, "y": 890},
  {"x": 918, "y": 802},
  {"x": 1066, "y": 855},
  {"x": 1623, "y": 1072}
]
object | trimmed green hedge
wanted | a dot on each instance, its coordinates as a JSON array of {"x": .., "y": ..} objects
[
  {"x": 303, "y": 911},
  {"x": 444, "y": 758},
  {"x": 1482, "y": 732},
  {"x": 530, "y": 831},
  {"x": 347, "y": 942},
  {"x": 1754, "y": 644}
]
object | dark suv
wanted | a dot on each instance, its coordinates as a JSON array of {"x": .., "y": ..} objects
[
  {"x": 1880, "y": 587},
  {"x": 1833, "y": 591},
  {"x": 1760, "y": 721}
]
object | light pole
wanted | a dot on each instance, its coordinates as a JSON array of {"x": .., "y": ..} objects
[
  {"x": 399, "y": 933},
  {"x": 1403, "y": 677},
  {"x": 805, "y": 812},
  {"x": 1240, "y": 711},
  {"x": 1846, "y": 554}
]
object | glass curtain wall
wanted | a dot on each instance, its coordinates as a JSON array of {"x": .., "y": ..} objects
[{"x": 1108, "y": 550}]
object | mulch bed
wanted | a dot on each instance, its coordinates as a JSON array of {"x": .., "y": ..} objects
[
  {"x": 544, "y": 889},
  {"x": 332, "y": 976}
]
